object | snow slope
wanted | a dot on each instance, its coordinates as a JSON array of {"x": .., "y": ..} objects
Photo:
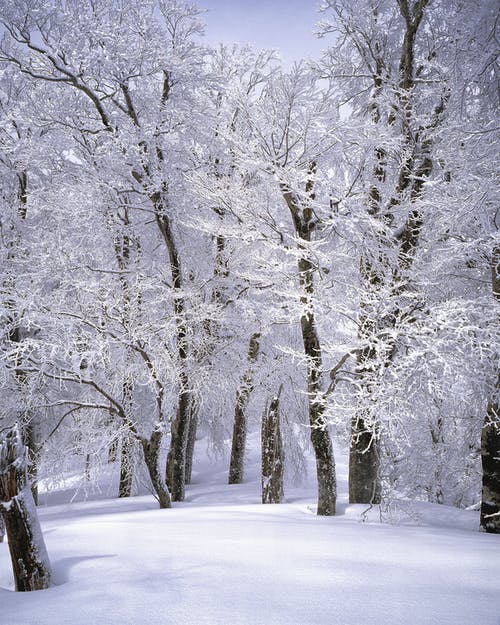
[{"x": 222, "y": 558}]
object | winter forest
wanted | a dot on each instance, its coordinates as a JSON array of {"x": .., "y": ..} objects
[{"x": 226, "y": 281}]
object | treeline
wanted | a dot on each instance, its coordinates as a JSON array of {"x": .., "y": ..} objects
[{"x": 195, "y": 238}]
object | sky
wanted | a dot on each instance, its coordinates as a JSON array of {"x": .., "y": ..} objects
[{"x": 284, "y": 24}]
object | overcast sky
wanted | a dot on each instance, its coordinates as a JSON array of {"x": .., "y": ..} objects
[{"x": 284, "y": 24}]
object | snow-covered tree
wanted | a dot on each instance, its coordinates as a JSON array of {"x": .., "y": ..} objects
[
  {"x": 406, "y": 71},
  {"x": 30, "y": 562}
]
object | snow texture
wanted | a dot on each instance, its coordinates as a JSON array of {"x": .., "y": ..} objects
[{"x": 222, "y": 558}]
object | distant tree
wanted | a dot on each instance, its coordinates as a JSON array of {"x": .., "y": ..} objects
[{"x": 273, "y": 457}]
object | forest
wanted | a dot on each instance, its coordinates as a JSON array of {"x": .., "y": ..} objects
[{"x": 205, "y": 253}]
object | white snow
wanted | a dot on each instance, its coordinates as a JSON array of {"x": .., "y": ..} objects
[{"x": 222, "y": 558}]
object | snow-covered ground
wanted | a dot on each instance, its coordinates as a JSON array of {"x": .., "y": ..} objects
[{"x": 222, "y": 558}]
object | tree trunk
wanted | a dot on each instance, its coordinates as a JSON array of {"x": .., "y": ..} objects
[
  {"x": 151, "y": 450},
  {"x": 126, "y": 466},
  {"x": 364, "y": 449},
  {"x": 304, "y": 223},
  {"x": 193, "y": 429},
  {"x": 176, "y": 460},
  {"x": 240, "y": 417},
  {"x": 415, "y": 167},
  {"x": 320, "y": 438},
  {"x": 30, "y": 562},
  {"x": 113, "y": 450},
  {"x": 87, "y": 467},
  {"x": 490, "y": 458},
  {"x": 30, "y": 440},
  {"x": 364, "y": 464},
  {"x": 126, "y": 458},
  {"x": 490, "y": 437},
  {"x": 273, "y": 457}
]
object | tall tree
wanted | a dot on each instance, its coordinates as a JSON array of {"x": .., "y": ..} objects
[
  {"x": 395, "y": 62},
  {"x": 286, "y": 125},
  {"x": 135, "y": 104}
]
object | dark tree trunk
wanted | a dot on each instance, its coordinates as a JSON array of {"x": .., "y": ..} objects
[
  {"x": 126, "y": 466},
  {"x": 113, "y": 451},
  {"x": 236, "y": 463},
  {"x": 490, "y": 458},
  {"x": 176, "y": 460},
  {"x": 364, "y": 464},
  {"x": 490, "y": 438},
  {"x": 273, "y": 457},
  {"x": 30, "y": 440},
  {"x": 320, "y": 437},
  {"x": 364, "y": 450},
  {"x": 304, "y": 223},
  {"x": 30, "y": 562},
  {"x": 123, "y": 248},
  {"x": 151, "y": 450},
  {"x": 193, "y": 429},
  {"x": 126, "y": 457}
]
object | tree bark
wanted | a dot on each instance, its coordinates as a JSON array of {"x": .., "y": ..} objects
[
  {"x": 193, "y": 429},
  {"x": 151, "y": 450},
  {"x": 113, "y": 450},
  {"x": 126, "y": 466},
  {"x": 364, "y": 449},
  {"x": 176, "y": 460},
  {"x": 273, "y": 457},
  {"x": 236, "y": 464},
  {"x": 364, "y": 464},
  {"x": 30, "y": 562},
  {"x": 490, "y": 459},
  {"x": 320, "y": 438},
  {"x": 29, "y": 431},
  {"x": 490, "y": 437},
  {"x": 304, "y": 223}
]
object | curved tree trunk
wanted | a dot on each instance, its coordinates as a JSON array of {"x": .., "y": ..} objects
[
  {"x": 303, "y": 220},
  {"x": 30, "y": 562},
  {"x": 176, "y": 461},
  {"x": 151, "y": 450},
  {"x": 240, "y": 417},
  {"x": 320, "y": 437}
]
